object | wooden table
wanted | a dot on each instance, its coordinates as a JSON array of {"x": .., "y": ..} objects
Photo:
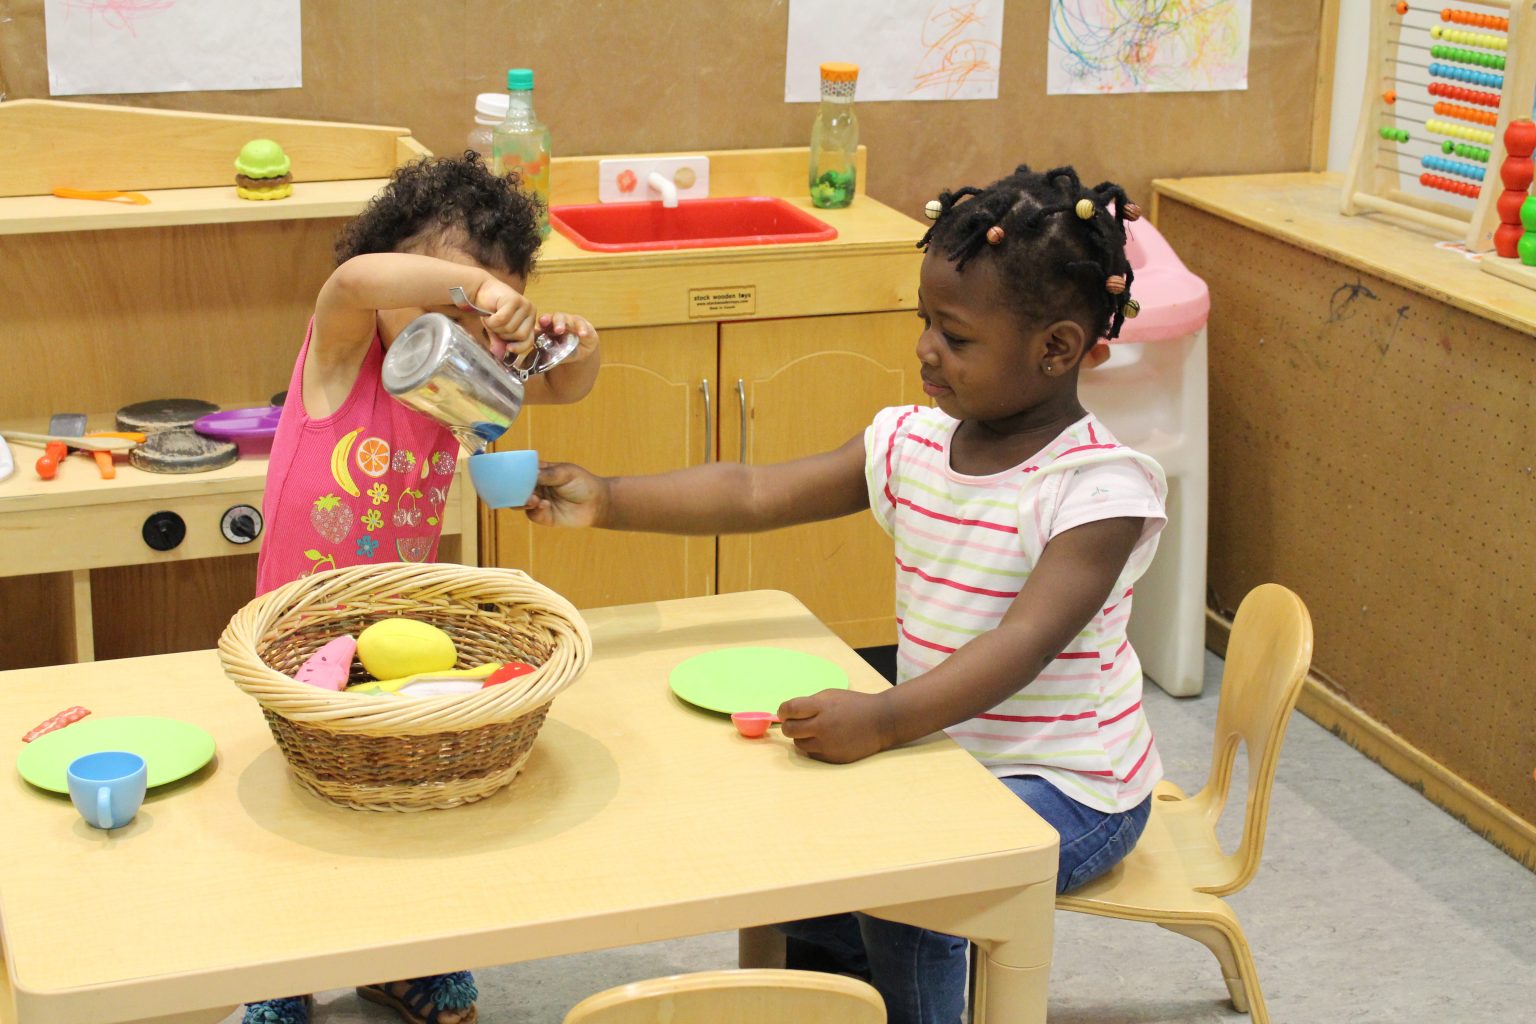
[{"x": 637, "y": 818}]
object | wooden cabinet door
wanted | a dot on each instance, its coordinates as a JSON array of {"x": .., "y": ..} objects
[
  {"x": 646, "y": 414},
  {"x": 810, "y": 384}
]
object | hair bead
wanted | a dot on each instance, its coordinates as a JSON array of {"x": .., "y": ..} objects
[
  {"x": 995, "y": 234},
  {"x": 1130, "y": 211},
  {"x": 1084, "y": 209},
  {"x": 1132, "y": 307},
  {"x": 1115, "y": 284},
  {"x": 934, "y": 209}
]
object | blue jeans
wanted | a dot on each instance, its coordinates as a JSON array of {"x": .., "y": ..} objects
[{"x": 921, "y": 974}]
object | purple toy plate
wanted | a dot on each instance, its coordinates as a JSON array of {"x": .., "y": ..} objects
[{"x": 251, "y": 429}]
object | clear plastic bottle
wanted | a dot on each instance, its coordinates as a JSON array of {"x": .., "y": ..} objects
[
  {"x": 520, "y": 144},
  {"x": 490, "y": 111},
  {"x": 835, "y": 138}
]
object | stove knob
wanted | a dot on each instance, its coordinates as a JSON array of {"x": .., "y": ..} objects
[
  {"x": 241, "y": 524},
  {"x": 164, "y": 530}
]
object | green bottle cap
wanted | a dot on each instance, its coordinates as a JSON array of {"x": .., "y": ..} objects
[{"x": 520, "y": 78}]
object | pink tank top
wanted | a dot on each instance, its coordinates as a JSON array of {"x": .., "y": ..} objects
[{"x": 366, "y": 484}]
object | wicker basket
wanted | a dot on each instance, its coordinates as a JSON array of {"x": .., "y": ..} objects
[{"x": 388, "y": 753}]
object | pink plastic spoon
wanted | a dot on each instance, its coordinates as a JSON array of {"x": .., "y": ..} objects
[{"x": 753, "y": 724}]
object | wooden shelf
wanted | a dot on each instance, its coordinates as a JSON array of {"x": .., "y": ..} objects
[
  {"x": 79, "y": 484},
  {"x": 30, "y": 215},
  {"x": 1303, "y": 210}
]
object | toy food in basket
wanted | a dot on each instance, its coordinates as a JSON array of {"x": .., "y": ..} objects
[{"x": 377, "y": 751}]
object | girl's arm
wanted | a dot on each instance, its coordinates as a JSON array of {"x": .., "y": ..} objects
[
  {"x": 717, "y": 497},
  {"x": 346, "y": 313},
  {"x": 1069, "y": 585}
]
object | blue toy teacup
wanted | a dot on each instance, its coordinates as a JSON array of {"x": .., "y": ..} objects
[
  {"x": 107, "y": 787},
  {"x": 505, "y": 479}
]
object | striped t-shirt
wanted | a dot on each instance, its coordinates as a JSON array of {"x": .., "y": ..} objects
[{"x": 964, "y": 547}]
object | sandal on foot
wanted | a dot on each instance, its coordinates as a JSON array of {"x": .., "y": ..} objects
[
  {"x": 287, "y": 1010},
  {"x": 444, "y": 993}
]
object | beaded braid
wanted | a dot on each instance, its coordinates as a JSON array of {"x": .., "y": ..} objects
[{"x": 1016, "y": 221}]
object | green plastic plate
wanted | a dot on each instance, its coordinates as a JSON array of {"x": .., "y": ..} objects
[
  {"x": 172, "y": 749},
  {"x": 753, "y": 678}
]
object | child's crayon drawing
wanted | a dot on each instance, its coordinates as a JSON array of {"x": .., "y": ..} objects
[{"x": 1113, "y": 46}]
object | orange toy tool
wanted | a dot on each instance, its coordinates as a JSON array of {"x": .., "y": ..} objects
[
  {"x": 55, "y": 451},
  {"x": 103, "y": 459},
  {"x": 107, "y": 195},
  {"x": 48, "y": 462}
]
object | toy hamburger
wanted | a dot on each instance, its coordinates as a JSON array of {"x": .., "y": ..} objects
[{"x": 262, "y": 171}]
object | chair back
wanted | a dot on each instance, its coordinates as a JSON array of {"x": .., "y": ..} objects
[
  {"x": 735, "y": 997},
  {"x": 1267, "y": 659}
]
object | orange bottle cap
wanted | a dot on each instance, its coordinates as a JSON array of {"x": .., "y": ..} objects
[{"x": 836, "y": 71}]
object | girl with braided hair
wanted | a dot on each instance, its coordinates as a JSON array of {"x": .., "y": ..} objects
[{"x": 1020, "y": 526}]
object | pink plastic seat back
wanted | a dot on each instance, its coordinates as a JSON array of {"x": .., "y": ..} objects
[{"x": 1174, "y": 302}]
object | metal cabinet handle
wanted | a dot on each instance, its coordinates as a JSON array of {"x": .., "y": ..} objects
[
  {"x": 741, "y": 394},
  {"x": 709, "y": 423}
]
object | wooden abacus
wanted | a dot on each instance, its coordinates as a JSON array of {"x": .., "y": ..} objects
[{"x": 1441, "y": 86}]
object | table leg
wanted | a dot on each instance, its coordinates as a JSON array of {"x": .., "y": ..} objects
[
  {"x": 762, "y": 946},
  {"x": 1013, "y": 929},
  {"x": 80, "y": 610}
]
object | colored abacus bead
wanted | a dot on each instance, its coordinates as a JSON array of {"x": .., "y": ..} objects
[
  {"x": 1460, "y": 188},
  {"x": 1440, "y": 163}
]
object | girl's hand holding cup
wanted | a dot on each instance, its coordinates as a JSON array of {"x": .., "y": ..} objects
[{"x": 567, "y": 495}]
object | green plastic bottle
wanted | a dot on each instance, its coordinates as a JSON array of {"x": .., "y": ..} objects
[
  {"x": 835, "y": 138},
  {"x": 520, "y": 144}
]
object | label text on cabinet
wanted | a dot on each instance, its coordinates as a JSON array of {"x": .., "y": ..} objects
[{"x": 711, "y": 302}]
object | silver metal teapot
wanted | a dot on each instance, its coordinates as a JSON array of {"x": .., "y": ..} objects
[{"x": 436, "y": 367}]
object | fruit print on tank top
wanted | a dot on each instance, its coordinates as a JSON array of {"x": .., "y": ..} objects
[{"x": 356, "y": 458}]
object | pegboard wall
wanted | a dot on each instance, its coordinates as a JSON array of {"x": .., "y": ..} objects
[{"x": 1375, "y": 450}]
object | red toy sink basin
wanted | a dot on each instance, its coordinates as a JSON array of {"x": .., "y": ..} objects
[{"x": 692, "y": 224}]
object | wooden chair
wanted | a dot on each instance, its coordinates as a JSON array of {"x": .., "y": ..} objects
[
  {"x": 735, "y": 997},
  {"x": 1177, "y": 874}
]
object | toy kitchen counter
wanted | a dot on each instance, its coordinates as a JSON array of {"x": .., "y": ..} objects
[
  {"x": 757, "y": 352},
  {"x": 187, "y": 291}
]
